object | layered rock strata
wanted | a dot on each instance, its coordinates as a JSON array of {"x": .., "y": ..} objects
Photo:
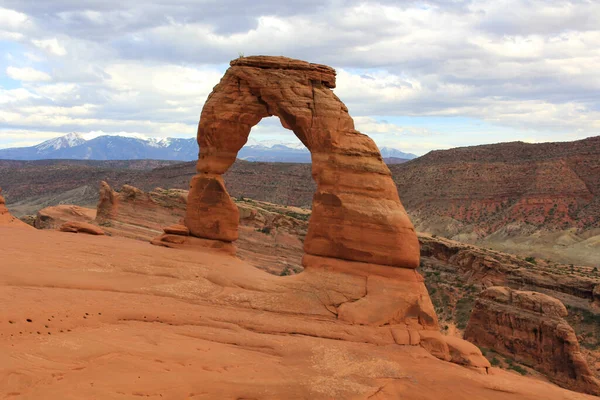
[
  {"x": 530, "y": 327},
  {"x": 81, "y": 227}
]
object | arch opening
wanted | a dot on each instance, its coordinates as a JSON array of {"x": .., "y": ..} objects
[{"x": 272, "y": 187}]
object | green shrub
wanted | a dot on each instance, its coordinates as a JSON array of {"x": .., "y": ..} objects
[
  {"x": 518, "y": 368},
  {"x": 464, "y": 307}
]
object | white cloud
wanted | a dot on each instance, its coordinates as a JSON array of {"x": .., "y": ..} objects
[
  {"x": 27, "y": 74},
  {"x": 19, "y": 95},
  {"x": 11, "y": 19},
  {"x": 170, "y": 81},
  {"x": 371, "y": 126},
  {"x": 520, "y": 65},
  {"x": 51, "y": 46}
]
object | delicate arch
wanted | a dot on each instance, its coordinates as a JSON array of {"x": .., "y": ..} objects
[{"x": 357, "y": 214}]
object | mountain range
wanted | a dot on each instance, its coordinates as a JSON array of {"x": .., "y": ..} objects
[{"x": 74, "y": 147}]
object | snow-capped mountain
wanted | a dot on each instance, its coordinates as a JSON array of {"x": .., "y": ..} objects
[
  {"x": 74, "y": 146},
  {"x": 62, "y": 142},
  {"x": 389, "y": 152},
  {"x": 43, "y": 150}
]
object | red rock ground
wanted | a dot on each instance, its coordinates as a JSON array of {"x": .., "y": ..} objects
[{"x": 113, "y": 318}]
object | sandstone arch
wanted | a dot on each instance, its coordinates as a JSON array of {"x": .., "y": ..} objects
[
  {"x": 358, "y": 229},
  {"x": 357, "y": 214}
]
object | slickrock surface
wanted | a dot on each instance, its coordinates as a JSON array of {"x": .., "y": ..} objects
[
  {"x": 530, "y": 327},
  {"x": 113, "y": 318},
  {"x": 6, "y": 218},
  {"x": 357, "y": 214}
]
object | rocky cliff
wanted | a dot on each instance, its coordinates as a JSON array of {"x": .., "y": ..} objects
[
  {"x": 530, "y": 327},
  {"x": 517, "y": 197}
]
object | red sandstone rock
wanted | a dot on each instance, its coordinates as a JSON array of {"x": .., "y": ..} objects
[
  {"x": 145, "y": 321},
  {"x": 211, "y": 214},
  {"x": 53, "y": 217},
  {"x": 358, "y": 229},
  {"x": 81, "y": 227},
  {"x": 139, "y": 215},
  {"x": 177, "y": 229},
  {"x": 177, "y": 241},
  {"x": 357, "y": 214},
  {"x": 529, "y": 327},
  {"x": 107, "y": 204},
  {"x": 466, "y": 353}
]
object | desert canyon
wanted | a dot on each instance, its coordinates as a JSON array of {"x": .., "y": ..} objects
[{"x": 177, "y": 294}]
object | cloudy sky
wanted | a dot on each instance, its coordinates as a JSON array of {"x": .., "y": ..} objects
[{"x": 416, "y": 75}]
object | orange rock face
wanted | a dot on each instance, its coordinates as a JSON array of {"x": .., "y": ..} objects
[
  {"x": 53, "y": 217},
  {"x": 211, "y": 213},
  {"x": 113, "y": 318},
  {"x": 81, "y": 227},
  {"x": 357, "y": 214},
  {"x": 136, "y": 214},
  {"x": 529, "y": 327}
]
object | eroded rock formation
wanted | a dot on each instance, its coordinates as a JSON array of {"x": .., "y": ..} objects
[
  {"x": 81, "y": 227},
  {"x": 357, "y": 214},
  {"x": 358, "y": 231},
  {"x": 136, "y": 214},
  {"x": 529, "y": 327},
  {"x": 55, "y": 216}
]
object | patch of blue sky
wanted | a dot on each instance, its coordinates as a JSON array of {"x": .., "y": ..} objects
[
  {"x": 465, "y": 131},
  {"x": 11, "y": 53}
]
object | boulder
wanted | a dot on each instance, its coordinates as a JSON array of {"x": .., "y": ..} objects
[
  {"x": 81, "y": 227},
  {"x": 55, "y": 216}
]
